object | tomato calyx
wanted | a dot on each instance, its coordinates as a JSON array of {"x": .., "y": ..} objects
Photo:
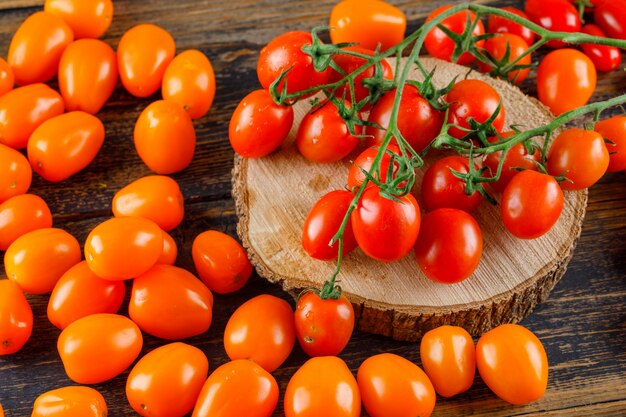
[
  {"x": 432, "y": 94},
  {"x": 466, "y": 41},
  {"x": 502, "y": 68}
]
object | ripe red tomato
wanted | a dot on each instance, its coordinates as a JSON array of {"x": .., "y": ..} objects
[
  {"x": 499, "y": 24},
  {"x": 88, "y": 19},
  {"x": 554, "y": 15},
  {"x": 7, "y": 79},
  {"x": 440, "y": 188},
  {"x": 143, "y": 54},
  {"x": 386, "y": 230},
  {"x": 513, "y": 363},
  {"x": 22, "y": 214},
  {"x": 614, "y": 129},
  {"x": 531, "y": 204},
  {"x": 439, "y": 45},
  {"x": 65, "y": 145},
  {"x": 170, "y": 250},
  {"x": 605, "y": 58},
  {"x": 364, "y": 162},
  {"x": 15, "y": 173},
  {"x": 515, "y": 46},
  {"x": 70, "y": 401},
  {"x": 611, "y": 17},
  {"x": 16, "y": 318},
  {"x": 261, "y": 330},
  {"x": 323, "y": 222},
  {"x": 516, "y": 157},
  {"x": 167, "y": 381}
]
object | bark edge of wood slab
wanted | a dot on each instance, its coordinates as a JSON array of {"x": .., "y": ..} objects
[{"x": 274, "y": 194}]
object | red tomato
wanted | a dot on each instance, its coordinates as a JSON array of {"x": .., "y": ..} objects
[
  {"x": 7, "y": 79},
  {"x": 611, "y": 17},
  {"x": 365, "y": 161},
  {"x": 499, "y": 24},
  {"x": 87, "y": 18},
  {"x": 440, "y": 188},
  {"x": 531, "y": 204},
  {"x": 16, "y": 318},
  {"x": 516, "y": 157},
  {"x": 515, "y": 46},
  {"x": 170, "y": 250},
  {"x": 614, "y": 130},
  {"x": 22, "y": 214},
  {"x": 439, "y": 45},
  {"x": 143, "y": 54},
  {"x": 554, "y": 15},
  {"x": 605, "y": 58},
  {"x": 70, "y": 401},
  {"x": 15, "y": 173}
]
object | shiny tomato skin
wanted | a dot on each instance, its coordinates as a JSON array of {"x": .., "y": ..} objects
[
  {"x": 16, "y": 318},
  {"x": 36, "y": 260},
  {"x": 605, "y": 58},
  {"x": 365, "y": 160},
  {"x": 167, "y": 381},
  {"x": 499, "y": 24},
  {"x": 513, "y": 363},
  {"x": 554, "y": 15},
  {"x": 87, "y": 18},
  {"x": 15, "y": 173},
  {"x": 497, "y": 47},
  {"x": 516, "y": 157},
  {"x": 143, "y": 54},
  {"x": 80, "y": 293},
  {"x": 170, "y": 250},
  {"x": 261, "y": 330},
  {"x": 70, "y": 401},
  {"x": 614, "y": 129},
  {"x": 440, "y": 188},
  {"x": 99, "y": 347},
  {"x": 7, "y": 79},
  {"x": 611, "y": 17},
  {"x": 439, "y": 45},
  {"x": 22, "y": 214}
]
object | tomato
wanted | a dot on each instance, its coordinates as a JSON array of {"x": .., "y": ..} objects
[
  {"x": 513, "y": 363},
  {"x": 385, "y": 230},
  {"x": 323, "y": 135},
  {"x": 22, "y": 110},
  {"x": 611, "y": 17},
  {"x": 123, "y": 247},
  {"x": 37, "y": 46},
  {"x": 439, "y": 45},
  {"x": 323, "y": 222},
  {"x": 517, "y": 157},
  {"x": 164, "y": 137},
  {"x": 1, "y": 411},
  {"x": 22, "y": 214},
  {"x": 440, "y": 188},
  {"x": 259, "y": 126},
  {"x": 222, "y": 263},
  {"x": 65, "y": 145},
  {"x": 36, "y": 260},
  {"x": 70, "y": 401},
  {"x": 614, "y": 129},
  {"x": 15, "y": 173},
  {"x": 531, "y": 204},
  {"x": 99, "y": 347},
  {"x": 87, "y": 18},
  {"x": 154, "y": 197},
  {"x": 7, "y": 79},
  {"x": 87, "y": 75},
  {"x": 323, "y": 386},
  {"x": 605, "y": 58},
  {"x": 16, "y": 318},
  {"x": 167, "y": 381},
  {"x": 80, "y": 293},
  {"x": 170, "y": 250},
  {"x": 143, "y": 54},
  {"x": 554, "y": 15},
  {"x": 498, "y": 46},
  {"x": 449, "y": 359},
  {"x": 189, "y": 80},
  {"x": 499, "y": 24},
  {"x": 579, "y": 154},
  {"x": 262, "y": 330},
  {"x": 365, "y": 160}
]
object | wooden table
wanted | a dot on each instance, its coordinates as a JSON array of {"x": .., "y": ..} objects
[{"x": 582, "y": 324}]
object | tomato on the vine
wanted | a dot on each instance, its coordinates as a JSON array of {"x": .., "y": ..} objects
[
  {"x": 614, "y": 130},
  {"x": 15, "y": 173},
  {"x": 88, "y": 19},
  {"x": 439, "y": 45},
  {"x": 611, "y": 17},
  {"x": 16, "y": 318},
  {"x": 554, "y": 15},
  {"x": 440, "y": 188},
  {"x": 498, "y": 24},
  {"x": 22, "y": 214},
  {"x": 364, "y": 162},
  {"x": 515, "y": 159},
  {"x": 501, "y": 45},
  {"x": 70, "y": 401},
  {"x": 605, "y": 58}
]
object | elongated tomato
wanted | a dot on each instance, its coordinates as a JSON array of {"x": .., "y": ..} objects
[
  {"x": 87, "y": 18},
  {"x": 15, "y": 173},
  {"x": 7, "y": 79},
  {"x": 16, "y": 318},
  {"x": 70, "y": 401},
  {"x": 22, "y": 214}
]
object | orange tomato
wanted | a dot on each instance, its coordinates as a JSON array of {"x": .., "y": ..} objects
[
  {"x": 189, "y": 80},
  {"x": 80, "y": 293},
  {"x": 256, "y": 391},
  {"x": 170, "y": 250},
  {"x": 16, "y": 318},
  {"x": 36, "y": 260},
  {"x": 22, "y": 214},
  {"x": 143, "y": 54},
  {"x": 87, "y": 75},
  {"x": 167, "y": 381},
  {"x": 69, "y": 402},
  {"x": 170, "y": 303},
  {"x": 1, "y": 411},
  {"x": 613, "y": 129},
  {"x": 123, "y": 247},
  {"x": 7, "y": 79},
  {"x": 15, "y": 173},
  {"x": 164, "y": 137},
  {"x": 64, "y": 145},
  {"x": 36, "y": 48},
  {"x": 87, "y": 18},
  {"x": 25, "y": 108},
  {"x": 155, "y": 197},
  {"x": 222, "y": 263}
]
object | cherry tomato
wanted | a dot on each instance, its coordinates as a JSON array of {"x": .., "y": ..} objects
[
  {"x": 70, "y": 401},
  {"x": 605, "y": 58},
  {"x": 87, "y": 75},
  {"x": 611, "y": 17},
  {"x": 65, "y": 145},
  {"x": 364, "y": 162},
  {"x": 99, "y": 347},
  {"x": 22, "y": 110},
  {"x": 256, "y": 391},
  {"x": 499, "y": 24},
  {"x": 7, "y": 79},
  {"x": 579, "y": 154},
  {"x": 554, "y": 15},
  {"x": 614, "y": 130},
  {"x": 440, "y": 188},
  {"x": 222, "y": 263},
  {"x": 154, "y": 197},
  {"x": 449, "y": 359},
  {"x": 498, "y": 46},
  {"x": 393, "y": 386},
  {"x": 439, "y": 45},
  {"x": 37, "y": 46},
  {"x": 22, "y": 214},
  {"x": 2, "y": 411},
  {"x": 15, "y": 173},
  {"x": 123, "y": 247},
  {"x": 36, "y": 260},
  {"x": 164, "y": 137},
  {"x": 167, "y": 381},
  {"x": 143, "y": 54},
  {"x": 517, "y": 157},
  {"x": 80, "y": 293},
  {"x": 531, "y": 204},
  {"x": 385, "y": 230},
  {"x": 87, "y": 18},
  {"x": 259, "y": 126},
  {"x": 323, "y": 386},
  {"x": 16, "y": 318},
  {"x": 262, "y": 330},
  {"x": 286, "y": 52},
  {"x": 513, "y": 363},
  {"x": 323, "y": 222},
  {"x": 170, "y": 250}
]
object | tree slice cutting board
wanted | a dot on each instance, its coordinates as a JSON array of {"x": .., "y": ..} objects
[{"x": 274, "y": 194}]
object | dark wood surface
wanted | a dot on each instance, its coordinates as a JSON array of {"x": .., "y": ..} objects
[{"x": 582, "y": 324}]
